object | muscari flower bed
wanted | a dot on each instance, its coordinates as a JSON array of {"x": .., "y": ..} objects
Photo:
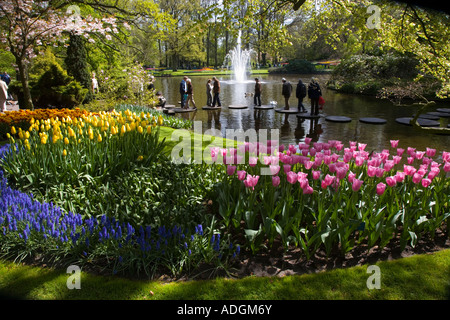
[{"x": 98, "y": 190}]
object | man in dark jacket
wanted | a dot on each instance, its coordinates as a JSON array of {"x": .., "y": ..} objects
[
  {"x": 257, "y": 97},
  {"x": 183, "y": 91},
  {"x": 314, "y": 93},
  {"x": 301, "y": 94},
  {"x": 286, "y": 92}
]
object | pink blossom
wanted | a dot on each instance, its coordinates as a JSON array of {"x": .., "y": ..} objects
[
  {"x": 241, "y": 174},
  {"x": 391, "y": 181},
  {"x": 308, "y": 164},
  {"x": 328, "y": 180},
  {"x": 380, "y": 188},
  {"x": 275, "y": 181},
  {"x": 341, "y": 172},
  {"x": 399, "y": 176},
  {"x": 308, "y": 190},
  {"x": 308, "y": 140},
  {"x": 231, "y": 170},
  {"x": 252, "y": 161},
  {"x": 332, "y": 167},
  {"x": 417, "y": 177},
  {"x": 411, "y": 151},
  {"x": 400, "y": 152},
  {"x": 447, "y": 167},
  {"x": 419, "y": 154},
  {"x": 251, "y": 181},
  {"x": 356, "y": 185},
  {"x": 292, "y": 177},
  {"x": 409, "y": 170},
  {"x": 431, "y": 152},
  {"x": 394, "y": 143},
  {"x": 361, "y": 146},
  {"x": 287, "y": 168},
  {"x": 388, "y": 165},
  {"x": 426, "y": 182},
  {"x": 371, "y": 171},
  {"x": 303, "y": 183},
  {"x": 359, "y": 161},
  {"x": 410, "y": 160},
  {"x": 274, "y": 169},
  {"x": 396, "y": 159},
  {"x": 379, "y": 172},
  {"x": 316, "y": 175},
  {"x": 351, "y": 177},
  {"x": 446, "y": 156}
]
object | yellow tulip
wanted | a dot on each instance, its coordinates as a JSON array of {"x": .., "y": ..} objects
[
  {"x": 160, "y": 120},
  {"x": 140, "y": 158},
  {"x": 123, "y": 129},
  {"x": 149, "y": 129},
  {"x": 66, "y": 140},
  {"x": 140, "y": 129},
  {"x": 21, "y": 135},
  {"x": 64, "y": 152},
  {"x": 13, "y": 130},
  {"x": 99, "y": 138},
  {"x": 27, "y": 135}
]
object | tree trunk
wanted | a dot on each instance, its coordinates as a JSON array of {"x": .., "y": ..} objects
[{"x": 23, "y": 75}]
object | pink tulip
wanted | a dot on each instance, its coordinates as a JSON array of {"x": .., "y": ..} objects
[
  {"x": 341, "y": 172},
  {"x": 351, "y": 177},
  {"x": 308, "y": 164},
  {"x": 419, "y": 154},
  {"x": 252, "y": 161},
  {"x": 431, "y": 152},
  {"x": 379, "y": 172},
  {"x": 394, "y": 143},
  {"x": 275, "y": 181},
  {"x": 287, "y": 168},
  {"x": 380, "y": 188},
  {"x": 417, "y": 177},
  {"x": 328, "y": 180},
  {"x": 308, "y": 190},
  {"x": 447, "y": 167},
  {"x": 241, "y": 174},
  {"x": 409, "y": 170},
  {"x": 214, "y": 153},
  {"x": 308, "y": 140},
  {"x": 400, "y": 176},
  {"x": 361, "y": 146},
  {"x": 359, "y": 161},
  {"x": 281, "y": 148},
  {"x": 312, "y": 152},
  {"x": 292, "y": 177},
  {"x": 396, "y": 159},
  {"x": 231, "y": 170},
  {"x": 332, "y": 167},
  {"x": 400, "y": 152},
  {"x": 371, "y": 171},
  {"x": 391, "y": 181},
  {"x": 410, "y": 160},
  {"x": 303, "y": 183},
  {"x": 316, "y": 175},
  {"x": 433, "y": 173},
  {"x": 411, "y": 151},
  {"x": 388, "y": 165},
  {"x": 426, "y": 182},
  {"x": 356, "y": 185},
  {"x": 348, "y": 156},
  {"x": 251, "y": 181},
  {"x": 274, "y": 169},
  {"x": 446, "y": 156}
]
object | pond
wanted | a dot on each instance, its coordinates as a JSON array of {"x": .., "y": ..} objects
[{"x": 293, "y": 130}]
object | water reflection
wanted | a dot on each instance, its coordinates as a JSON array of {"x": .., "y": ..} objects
[{"x": 293, "y": 129}]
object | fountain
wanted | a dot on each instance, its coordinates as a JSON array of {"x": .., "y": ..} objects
[{"x": 240, "y": 61}]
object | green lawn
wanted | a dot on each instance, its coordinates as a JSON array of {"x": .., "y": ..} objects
[{"x": 420, "y": 277}]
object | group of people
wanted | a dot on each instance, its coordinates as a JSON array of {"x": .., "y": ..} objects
[
  {"x": 212, "y": 93},
  {"x": 313, "y": 92},
  {"x": 5, "y": 79}
]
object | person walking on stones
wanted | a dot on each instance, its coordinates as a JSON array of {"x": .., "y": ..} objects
[
  {"x": 151, "y": 85},
  {"x": 94, "y": 83},
  {"x": 190, "y": 93},
  {"x": 314, "y": 93},
  {"x": 257, "y": 96},
  {"x": 209, "y": 95},
  {"x": 216, "y": 92},
  {"x": 183, "y": 91},
  {"x": 286, "y": 92},
  {"x": 301, "y": 94},
  {"x": 3, "y": 95}
]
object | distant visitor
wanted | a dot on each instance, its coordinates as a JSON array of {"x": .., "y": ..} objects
[{"x": 286, "y": 92}]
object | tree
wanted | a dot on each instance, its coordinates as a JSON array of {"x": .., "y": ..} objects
[{"x": 28, "y": 25}]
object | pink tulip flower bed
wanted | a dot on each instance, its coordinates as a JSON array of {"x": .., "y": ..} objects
[{"x": 328, "y": 196}]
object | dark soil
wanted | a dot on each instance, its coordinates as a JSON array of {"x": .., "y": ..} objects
[{"x": 279, "y": 263}]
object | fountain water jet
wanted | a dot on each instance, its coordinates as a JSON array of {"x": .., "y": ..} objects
[{"x": 240, "y": 61}]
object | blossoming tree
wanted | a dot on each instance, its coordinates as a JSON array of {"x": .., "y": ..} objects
[{"x": 26, "y": 26}]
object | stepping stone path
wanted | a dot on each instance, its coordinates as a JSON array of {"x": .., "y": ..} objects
[
  {"x": 338, "y": 119},
  {"x": 169, "y": 106},
  {"x": 307, "y": 115},
  {"x": 169, "y": 111},
  {"x": 440, "y": 114},
  {"x": 211, "y": 108},
  {"x": 182, "y": 110},
  {"x": 264, "y": 107},
  {"x": 447, "y": 110},
  {"x": 373, "y": 120},
  {"x": 289, "y": 111},
  {"x": 428, "y": 116},
  {"x": 422, "y": 122},
  {"x": 238, "y": 106}
]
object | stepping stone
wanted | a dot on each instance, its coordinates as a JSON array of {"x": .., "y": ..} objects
[
  {"x": 440, "y": 114},
  {"x": 238, "y": 106},
  {"x": 307, "y": 115},
  {"x": 447, "y": 110},
  {"x": 373, "y": 120},
  {"x": 182, "y": 110},
  {"x": 264, "y": 107},
  {"x": 169, "y": 111},
  {"x": 338, "y": 119},
  {"x": 211, "y": 108},
  {"x": 422, "y": 122},
  {"x": 428, "y": 116},
  {"x": 289, "y": 111},
  {"x": 169, "y": 106}
]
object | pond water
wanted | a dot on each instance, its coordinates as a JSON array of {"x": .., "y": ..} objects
[{"x": 293, "y": 130}]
